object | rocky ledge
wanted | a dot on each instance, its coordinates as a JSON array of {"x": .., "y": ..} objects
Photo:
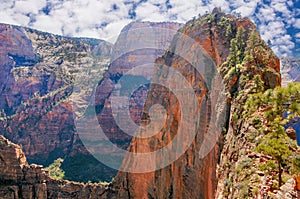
[{"x": 18, "y": 179}]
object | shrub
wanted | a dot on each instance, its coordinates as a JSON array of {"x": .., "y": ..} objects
[{"x": 55, "y": 170}]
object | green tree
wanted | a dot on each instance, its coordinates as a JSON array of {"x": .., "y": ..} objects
[
  {"x": 278, "y": 148},
  {"x": 296, "y": 165},
  {"x": 252, "y": 42},
  {"x": 228, "y": 30},
  {"x": 240, "y": 43},
  {"x": 275, "y": 103},
  {"x": 237, "y": 48},
  {"x": 55, "y": 170},
  {"x": 233, "y": 56}
]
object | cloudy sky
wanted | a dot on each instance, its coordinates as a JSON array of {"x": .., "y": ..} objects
[{"x": 277, "y": 20}]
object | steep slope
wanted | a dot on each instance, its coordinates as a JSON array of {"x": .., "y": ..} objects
[
  {"x": 137, "y": 46},
  {"x": 193, "y": 176},
  {"x": 38, "y": 73},
  {"x": 240, "y": 172},
  {"x": 213, "y": 42},
  {"x": 131, "y": 51},
  {"x": 46, "y": 80},
  {"x": 290, "y": 70},
  {"x": 18, "y": 179}
]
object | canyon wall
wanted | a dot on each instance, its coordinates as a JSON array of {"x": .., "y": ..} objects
[
  {"x": 38, "y": 71},
  {"x": 192, "y": 176},
  {"x": 199, "y": 49},
  {"x": 18, "y": 179},
  {"x": 290, "y": 72},
  {"x": 48, "y": 80}
]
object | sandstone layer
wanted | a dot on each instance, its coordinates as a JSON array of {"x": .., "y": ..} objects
[
  {"x": 18, "y": 179},
  {"x": 190, "y": 176}
]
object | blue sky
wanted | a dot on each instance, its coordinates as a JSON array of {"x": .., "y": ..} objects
[{"x": 277, "y": 20}]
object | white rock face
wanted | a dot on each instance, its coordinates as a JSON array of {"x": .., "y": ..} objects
[{"x": 290, "y": 70}]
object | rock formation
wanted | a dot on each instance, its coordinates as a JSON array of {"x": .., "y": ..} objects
[
  {"x": 191, "y": 176},
  {"x": 290, "y": 70},
  {"x": 131, "y": 51},
  {"x": 39, "y": 74},
  {"x": 202, "y": 47},
  {"x": 37, "y": 78},
  {"x": 18, "y": 179}
]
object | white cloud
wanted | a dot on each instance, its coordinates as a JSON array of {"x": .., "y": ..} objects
[
  {"x": 46, "y": 23},
  {"x": 273, "y": 22},
  {"x": 280, "y": 7},
  {"x": 266, "y": 13},
  {"x": 145, "y": 12},
  {"x": 297, "y": 23},
  {"x": 96, "y": 18},
  {"x": 29, "y": 6},
  {"x": 247, "y": 9}
]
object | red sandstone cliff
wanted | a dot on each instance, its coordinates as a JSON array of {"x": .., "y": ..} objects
[
  {"x": 18, "y": 179},
  {"x": 35, "y": 85},
  {"x": 38, "y": 74},
  {"x": 190, "y": 176}
]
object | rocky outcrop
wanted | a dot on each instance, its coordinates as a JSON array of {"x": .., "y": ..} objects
[
  {"x": 287, "y": 191},
  {"x": 190, "y": 176},
  {"x": 240, "y": 170},
  {"x": 290, "y": 70},
  {"x": 133, "y": 52},
  {"x": 202, "y": 44},
  {"x": 46, "y": 80},
  {"x": 18, "y": 179},
  {"x": 38, "y": 74},
  {"x": 132, "y": 60},
  {"x": 36, "y": 81}
]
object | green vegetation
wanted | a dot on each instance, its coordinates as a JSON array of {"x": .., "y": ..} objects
[
  {"x": 246, "y": 63},
  {"x": 225, "y": 23},
  {"x": 55, "y": 170},
  {"x": 256, "y": 115},
  {"x": 237, "y": 48},
  {"x": 276, "y": 143},
  {"x": 92, "y": 170},
  {"x": 296, "y": 165},
  {"x": 58, "y": 170}
]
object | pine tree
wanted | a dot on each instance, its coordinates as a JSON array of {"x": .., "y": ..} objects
[
  {"x": 252, "y": 42},
  {"x": 240, "y": 43},
  {"x": 233, "y": 58},
  {"x": 55, "y": 170},
  {"x": 276, "y": 102}
]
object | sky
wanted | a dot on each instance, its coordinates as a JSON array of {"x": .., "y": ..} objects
[{"x": 277, "y": 20}]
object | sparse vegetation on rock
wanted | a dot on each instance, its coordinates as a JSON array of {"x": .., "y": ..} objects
[{"x": 55, "y": 169}]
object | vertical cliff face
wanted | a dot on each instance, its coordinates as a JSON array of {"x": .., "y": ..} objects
[
  {"x": 191, "y": 176},
  {"x": 131, "y": 51},
  {"x": 257, "y": 70},
  {"x": 38, "y": 71},
  {"x": 18, "y": 179},
  {"x": 138, "y": 45},
  {"x": 37, "y": 80},
  {"x": 290, "y": 70},
  {"x": 45, "y": 79}
]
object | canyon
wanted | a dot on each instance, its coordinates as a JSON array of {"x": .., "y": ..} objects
[
  {"x": 48, "y": 83},
  {"x": 18, "y": 179}
]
